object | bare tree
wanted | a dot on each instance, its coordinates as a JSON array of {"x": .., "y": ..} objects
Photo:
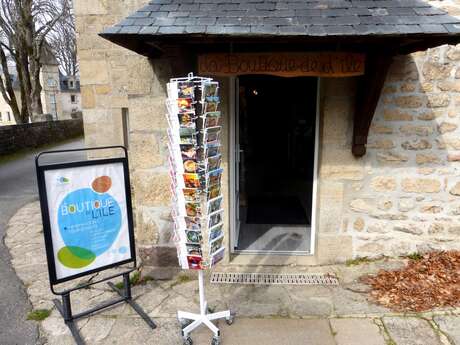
[
  {"x": 24, "y": 27},
  {"x": 63, "y": 41}
]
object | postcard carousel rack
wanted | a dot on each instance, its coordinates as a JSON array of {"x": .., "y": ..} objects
[{"x": 195, "y": 172}]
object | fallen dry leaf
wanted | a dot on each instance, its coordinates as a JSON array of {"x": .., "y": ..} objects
[{"x": 431, "y": 282}]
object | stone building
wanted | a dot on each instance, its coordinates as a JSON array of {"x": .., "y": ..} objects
[
  {"x": 59, "y": 98},
  {"x": 370, "y": 153}
]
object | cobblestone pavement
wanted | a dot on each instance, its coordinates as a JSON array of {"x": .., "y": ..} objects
[{"x": 281, "y": 315}]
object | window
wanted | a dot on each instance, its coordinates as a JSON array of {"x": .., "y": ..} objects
[
  {"x": 8, "y": 116},
  {"x": 51, "y": 82},
  {"x": 71, "y": 84},
  {"x": 1, "y": 118},
  {"x": 73, "y": 98}
]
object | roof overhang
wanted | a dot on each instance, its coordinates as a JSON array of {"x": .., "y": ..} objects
[{"x": 154, "y": 46}]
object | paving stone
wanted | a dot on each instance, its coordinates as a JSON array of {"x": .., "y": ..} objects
[
  {"x": 450, "y": 325},
  {"x": 162, "y": 299},
  {"x": 348, "y": 303},
  {"x": 270, "y": 332},
  {"x": 356, "y": 332},
  {"x": 411, "y": 331}
]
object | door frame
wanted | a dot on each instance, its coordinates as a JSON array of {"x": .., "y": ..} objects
[{"x": 233, "y": 154}]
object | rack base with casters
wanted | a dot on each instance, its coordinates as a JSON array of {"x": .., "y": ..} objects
[{"x": 191, "y": 321}]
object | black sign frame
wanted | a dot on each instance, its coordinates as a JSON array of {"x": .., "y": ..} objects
[
  {"x": 41, "y": 169},
  {"x": 124, "y": 293}
]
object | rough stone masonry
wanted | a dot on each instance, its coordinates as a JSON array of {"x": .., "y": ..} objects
[{"x": 402, "y": 197}]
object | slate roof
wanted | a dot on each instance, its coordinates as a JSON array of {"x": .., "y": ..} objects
[{"x": 286, "y": 18}]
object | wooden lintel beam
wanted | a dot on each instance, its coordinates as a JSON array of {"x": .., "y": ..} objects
[{"x": 370, "y": 86}]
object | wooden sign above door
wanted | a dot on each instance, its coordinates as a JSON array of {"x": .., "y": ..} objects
[{"x": 312, "y": 64}]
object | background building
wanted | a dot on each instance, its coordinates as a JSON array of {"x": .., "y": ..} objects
[{"x": 60, "y": 93}]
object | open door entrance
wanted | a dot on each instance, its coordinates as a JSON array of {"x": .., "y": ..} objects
[{"x": 275, "y": 138}]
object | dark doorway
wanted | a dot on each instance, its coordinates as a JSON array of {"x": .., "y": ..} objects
[{"x": 277, "y": 122}]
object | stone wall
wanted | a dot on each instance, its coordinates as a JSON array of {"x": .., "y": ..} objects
[
  {"x": 113, "y": 78},
  {"x": 400, "y": 198},
  {"x": 406, "y": 197},
  {"x": 16, "y": 137}
]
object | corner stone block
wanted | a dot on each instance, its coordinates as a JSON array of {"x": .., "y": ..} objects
[
  {"x": 158, "y": 256},
  {"x": 88, "y": 98},
  {"x": 94, "y": 72},
  {"x": 151, "y": 188},
  {"x": 147, "y": 113},
  {"x": 334, "y": 249},
  {"x": 340, "y": 164},
  {"x": 144, "y": 151},
  {"x": 90, "y": 7},
  {"x": 330, "y": 206}
]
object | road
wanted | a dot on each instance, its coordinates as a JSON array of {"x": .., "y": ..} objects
[{"x": 17, "y": 188}]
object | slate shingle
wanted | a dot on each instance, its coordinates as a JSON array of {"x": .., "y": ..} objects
[{"x": 288, "y": 18}]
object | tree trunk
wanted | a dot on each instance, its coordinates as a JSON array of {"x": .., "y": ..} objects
[{"x": 7, "y": 90}]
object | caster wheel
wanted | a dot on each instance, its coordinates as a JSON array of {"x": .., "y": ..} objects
[
  {"x": 230, "y": 319},
  {"x": 184, "y": 323},
  {"x": 215, "y": 341},
  {"x": 188, "y": 341}
]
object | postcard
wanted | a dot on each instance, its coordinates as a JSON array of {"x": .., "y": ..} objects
[
  {"x": 214, "y": 163},
  {"x": 214, "y": 177},
  {"x": 215, "y": 218},
  {"x": 216, "y": 244},
  {"x": 212, "y": 119},
  {"x": 215, "y": 232},
  {"x": 193, "y": 237},
  {"x": 188, "y": 152},
  {"x": 210, "y": 107},
  {"x": 192, "y": 180},
  {"x": 211, "y": 134},
  {"x": 187, "y": 120},
  {"x": 210, "y": 89},
  {"x": 213, "y": 191},
  {"x": 215, "y": 204},
  {"x": 195, "y": 262},
  {"x": 186, "y": 89},
  {"x": 185, "y": 105},
  {"x": 212, "y": 99},
  {"x": 193, "y": 223},
  {"x": 190, "y": 166},
  {"x": 191, "y": 194},
  {"x": 194, "y": 249},
  {"x": 187, "y": 136},
  {"x": 187, "y": 140},
  {"x": 193, "y": 209},
  {"x": 217, "y": 256},
  {"x": 212, "y": 149}
]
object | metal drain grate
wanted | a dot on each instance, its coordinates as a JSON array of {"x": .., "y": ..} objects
[{"x": 273, "y": 279}]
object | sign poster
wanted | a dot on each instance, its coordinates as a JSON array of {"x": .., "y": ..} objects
[
  {"x": 88, "y": 218},
  {"x": 194, "y": 157}
]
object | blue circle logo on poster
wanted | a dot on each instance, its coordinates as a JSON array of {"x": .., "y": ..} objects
[{"x": 89, "y": 222}]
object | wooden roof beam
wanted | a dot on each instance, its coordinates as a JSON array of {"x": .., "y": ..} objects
[{"x": 370, "y": 86}]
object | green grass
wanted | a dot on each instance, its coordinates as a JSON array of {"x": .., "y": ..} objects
[
  {"x": 135, "y": 279},
  {"x": 415, "y": 256},
  {"x": 358, "y": 261},
  {"x": 38, "y": 314},
  {"x": 182, "y": 279}
]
